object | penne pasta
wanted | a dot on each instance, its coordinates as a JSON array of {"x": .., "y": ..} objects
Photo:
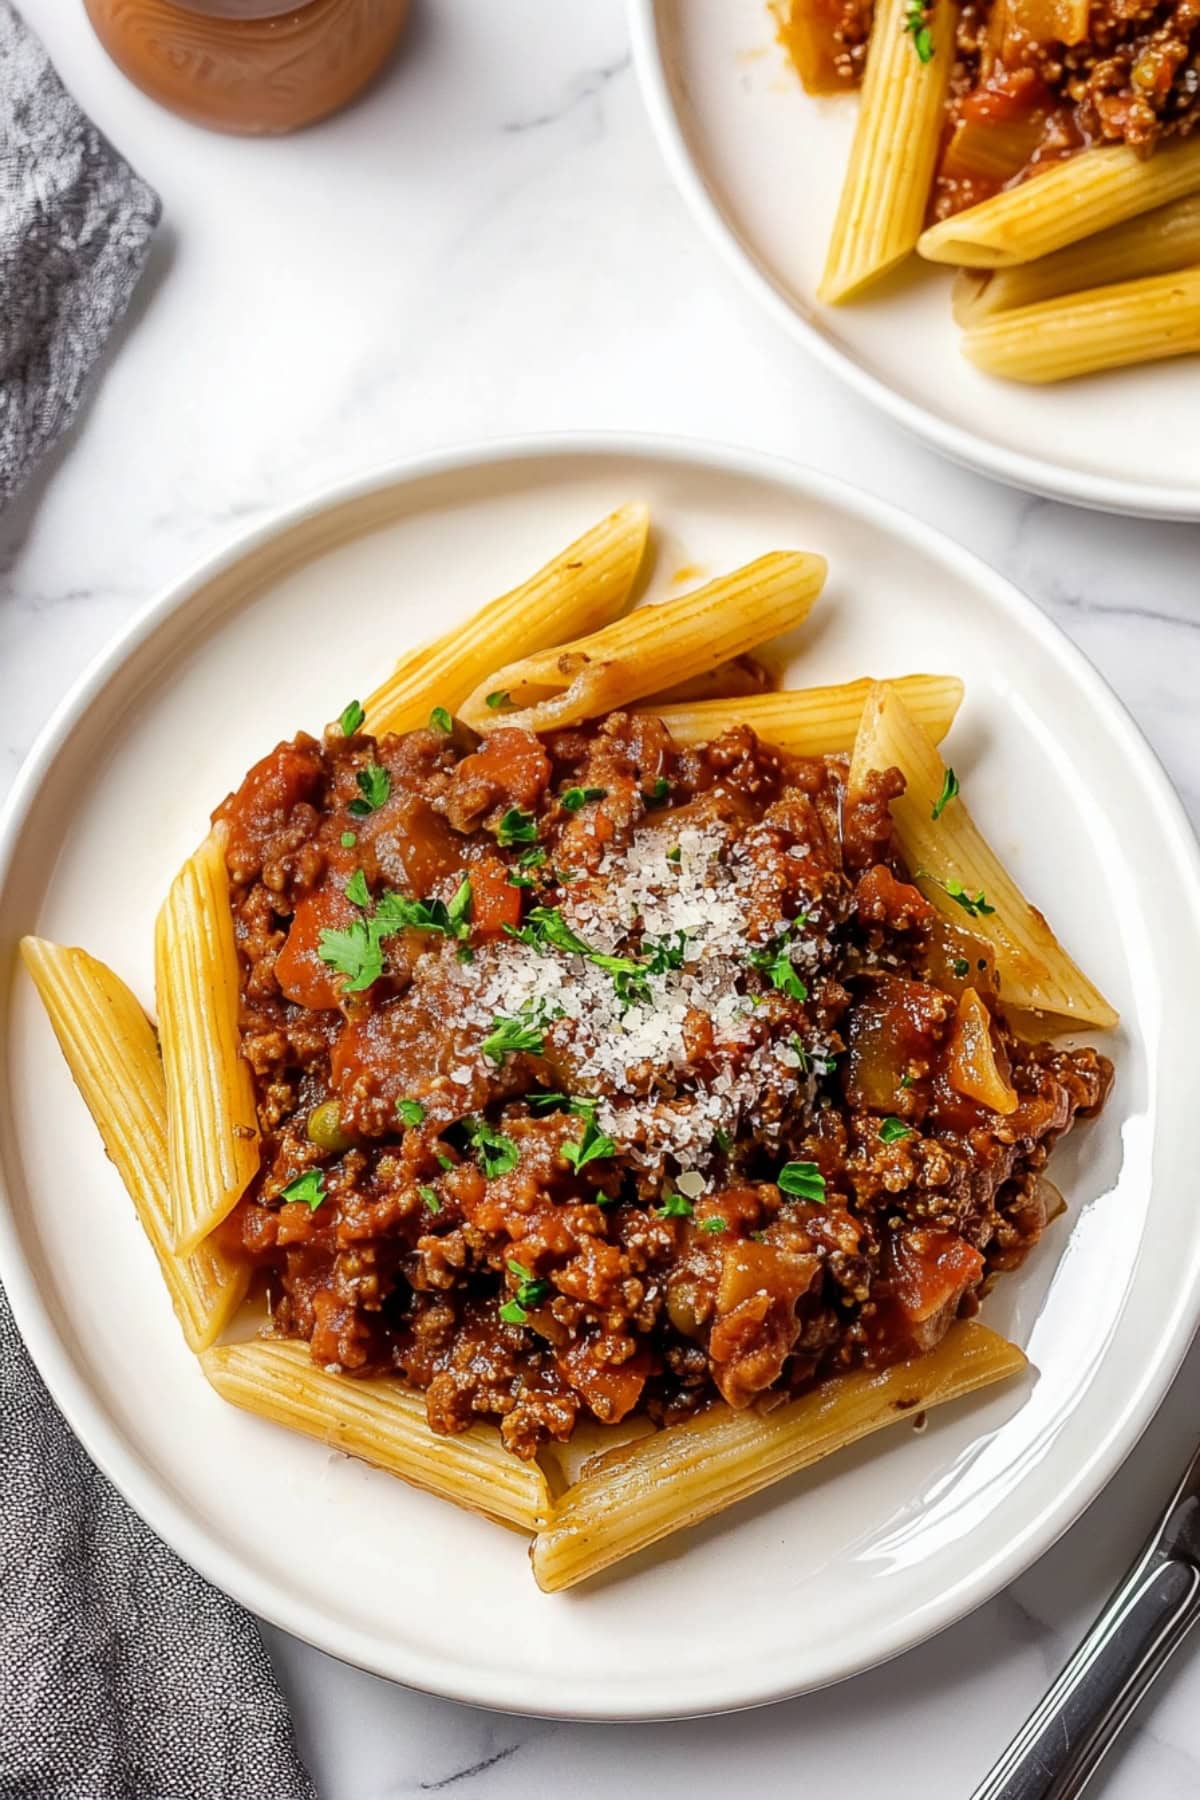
[
  {"x": 949, "y": 857},
  {"x": 1066, "y": 202},
  {"x": 582, "y": 588},
  {"x": 212, "y": 1127},
  {"x": 1154, "y": 243},
  {"x": 892, "y": 159},
  {"x": 383, "y": 1422},
  {"x": 652, "y": 648},
  {"x": 1079, "y": 334},
  {"x": 110, "y": 1049},
  {"x": 740, "y": 675},
  {"x": 816, "y": 721},
  {"x": 630, "y": 1498}
]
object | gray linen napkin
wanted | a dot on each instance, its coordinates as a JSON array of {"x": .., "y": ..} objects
[
  {"x": 123, "y": 1675},
  {"x": 75, "y": 226}
]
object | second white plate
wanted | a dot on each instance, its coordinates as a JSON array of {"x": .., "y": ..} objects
[{"x": 761, "y": 164}]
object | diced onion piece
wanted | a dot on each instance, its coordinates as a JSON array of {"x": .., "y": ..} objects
[{"x": 971, "y": 1058}]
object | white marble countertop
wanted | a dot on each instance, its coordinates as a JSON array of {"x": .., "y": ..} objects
[{"x": 489, "y": 244}]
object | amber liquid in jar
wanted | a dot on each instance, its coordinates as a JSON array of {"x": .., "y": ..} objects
[{"x": 249, "y": 65}]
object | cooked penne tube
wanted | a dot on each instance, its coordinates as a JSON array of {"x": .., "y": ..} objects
[
  {"x": 582, "y": 588},
  {"x": 1155, "y": 243},
  {"x": 1065, "y": 202},
  {"x": 383, "y": 1422},
  {"x": 110, "y": 1049},
  {"x": 815, "y": 721},
  {"x": 652, "y": 648},
  {"x": 958, "y": 871},
  {"x": 1078, "y": 334},
  {"x": 212, "y": 1128},
  {"x": 892, "y": 158},
  {"x": 632, "y": 1497},
  {"x": 740, "y": 675}
]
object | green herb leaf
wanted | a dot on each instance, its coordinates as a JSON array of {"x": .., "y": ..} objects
[
  {"x": 972, "y": 904},
  {"x": 713, "y": 1225},
  {"x": 447, "y": 1162},
  {"x": 440, "y": 720},
  {"x": 411, "y": 1111},
  {"x": 357, "y": 889},
  {"x": 498, "y": 1154},
  {"x": 892, "y": 1130},
  {"x": 354, "y": 953},
  {"x": 498, "y": 699},
  {"x": 374, "y": 786},
  {"x": 430, "y": 1198},
  {"x": 513, "y": 1313},
  {"x": 723, "y": 1140},
  {"x": 906, "y": 1081},
  {"x": 803, "y": 1180},
  {"x": 918, "y": 30},
  {"x": 351, "y": 719},
  {"x": 961, "y": 966},
  {"x": 593, "y": 1145},
  {"x": 507, "y": 1035},
  {"x": 349, "y": 839},
  {"x": 516, "y": 827},
  {"x": 949, "y": 790},
  {"x": 776, "y": 964},
  {"x": 665, "y": 953},
  {"x": 309, "y": 1187},
  {"x": 657, "y": 792},
  {"x": 575, "y": 797},
  {"x": 676, "y": 1206}
]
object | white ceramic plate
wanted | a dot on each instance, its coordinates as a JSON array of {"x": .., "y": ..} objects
[
  {"x": 831, "y": 1572},
  {"x": 761, "y": 165}
]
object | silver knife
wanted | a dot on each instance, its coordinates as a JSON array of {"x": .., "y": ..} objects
[{"x": 1062, "y": 1742}]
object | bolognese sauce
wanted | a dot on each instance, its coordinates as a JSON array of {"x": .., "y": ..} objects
[
  {"x": 595, "y": 1073},
  {"x": 1034, "y": 81}
]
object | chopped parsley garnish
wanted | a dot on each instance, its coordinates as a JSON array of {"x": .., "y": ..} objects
[
  {"x": 804, "y": 1181},
  {"x": 497, "y": 1154},
  {"x": 526, "y": 1031},
  {"x": 714, "y": 1224},
  {"x": 349, "y": 839},
  {"x": 775, "y": 962},
  {"x": 374, "y": 786},
  {"x": 351, "y": 719},
  {"x": 355, "y": 953},
  {"x": 545, "y": 928},
  {"x": 918, "y": 30},
  {"x": 892, "y": 1130},
  {"x": 906, "y": 1081},
  {"x": 357, "y": 889},
  {"x": 516, "y": 827},
  {"x": 593, "y": 1145},
  {"x": 723, "y": 1140},
  {"x": 531, "y": 859},
  {"x": 574, "y": 797},
  {"x": 972, "y": 904},
  {"x": 309, "y": 1187},
  {"x": 464, "y": 954},
  {"x": 676, "y": 1206},
  {"x": 658, "y": 792},
  {"x": 440, "y": 720},
  {"x": 411, "y": 1111},
  {"x": 665, "y": 953},
  {"x": 674, "y": 854},
  {"x": 498, "y": 699},
  {"x": 513, "y": 1313},
  {"x": 430, "y": 1198},
  {"x": 532, "y": 1290},
  {"x": 395, "y": 913},
  {"x": 961, "y": 966},
  {"x": 949, "y": 790},
  {"x": 447, "y": 1162}
]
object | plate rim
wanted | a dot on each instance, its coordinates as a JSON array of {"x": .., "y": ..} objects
[
  {"x": 1018, "y": 469},
  {"x": 169, "y": 1515}
]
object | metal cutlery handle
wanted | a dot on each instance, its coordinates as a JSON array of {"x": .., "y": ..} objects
[{"x": 1061, "y": 1743}]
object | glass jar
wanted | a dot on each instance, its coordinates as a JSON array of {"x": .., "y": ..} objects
[{"x": 249, "y": 65}]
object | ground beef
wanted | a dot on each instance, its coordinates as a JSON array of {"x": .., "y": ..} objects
[{"x": 598, "y": 1074}]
